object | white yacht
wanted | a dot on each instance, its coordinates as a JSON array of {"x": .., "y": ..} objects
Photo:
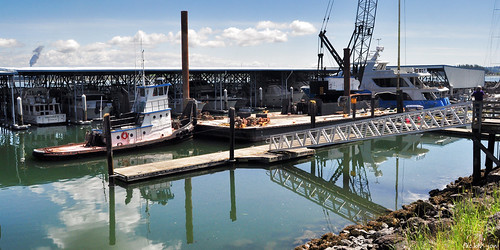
[
  {"x": 40, "y": 109},
  {"x": 380, "y": 80}
]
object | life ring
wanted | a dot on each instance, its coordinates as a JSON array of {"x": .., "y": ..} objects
[{"x": 124, "y": 135}]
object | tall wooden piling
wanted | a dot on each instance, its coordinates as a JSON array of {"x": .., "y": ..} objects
[
  {"x": 109, "y": 147},
  {"x": 347, "y": 78},
  {"x": 185, "y": 58}
]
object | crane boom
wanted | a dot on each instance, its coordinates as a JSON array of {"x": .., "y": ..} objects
[
  {"x": 362, "y": 36},
  {"x": 360, "y": 41}
]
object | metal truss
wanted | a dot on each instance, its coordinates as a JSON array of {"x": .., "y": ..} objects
[
  {"x": 340, "y": 201},
  {"x": 457, "y": 115}
]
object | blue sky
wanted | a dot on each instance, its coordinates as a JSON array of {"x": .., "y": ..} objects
[{"x": 238, "y": 33}]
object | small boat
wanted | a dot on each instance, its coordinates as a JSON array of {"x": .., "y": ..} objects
[
  {"x": 40, "y": 109},
  {"x": 150, "y": 122}
]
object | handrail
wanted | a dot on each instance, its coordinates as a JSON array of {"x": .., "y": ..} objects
[{"x": 450, "y": 116}]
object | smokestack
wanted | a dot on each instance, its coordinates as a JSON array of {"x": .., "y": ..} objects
[
  {"x": 36, "y": 55},
  {"x": 185, "y": 58}
]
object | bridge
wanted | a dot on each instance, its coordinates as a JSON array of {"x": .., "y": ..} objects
[{"x": 457, "y": 115}]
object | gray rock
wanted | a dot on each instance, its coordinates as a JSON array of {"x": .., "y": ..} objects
[
  {"x": 416, "y": 223},
  {"x": 443, "y": 224},
  {"x": 388, "y": 241},
  {"x": 424, "y": 208},
  {"x": 383, "y": 232},
  {"x": 493, "y": 235}
]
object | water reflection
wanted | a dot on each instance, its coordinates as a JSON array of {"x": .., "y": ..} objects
[
  {"x": 187, "y": 211},
  {"x": 337, "y": 180}
]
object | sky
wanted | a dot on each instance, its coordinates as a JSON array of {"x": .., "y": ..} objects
[{"x": 257, "y": 33}]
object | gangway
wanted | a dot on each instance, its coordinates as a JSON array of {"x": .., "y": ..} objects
[{"x": 457, "y": 115}]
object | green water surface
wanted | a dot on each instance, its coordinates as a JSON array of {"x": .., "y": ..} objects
[{"x": 69, "y": 204}]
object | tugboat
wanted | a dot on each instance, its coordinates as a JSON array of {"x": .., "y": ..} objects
[{"x": 149, "y": 122}]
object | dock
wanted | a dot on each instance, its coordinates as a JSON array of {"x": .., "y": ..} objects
[
  {"x": 207, "y": 161},
  {"x": 279, "y": 123}
]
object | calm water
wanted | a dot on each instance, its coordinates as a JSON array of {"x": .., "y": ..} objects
[{"x": 69, "y": 204}]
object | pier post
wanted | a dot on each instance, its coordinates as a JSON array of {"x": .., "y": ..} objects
[
  {"x": 185, "y": 58},
  {"x": 353, "y": 102},
  {"x": 347, "y": 78},
  {"x": 20, "y": 110},
  {"x": 226, "y": 107},
  {"x": 372, "y": 104},
  {"x": 491, "y": 148},
  {"x": 84, "y": 107},
  {"x": 476, "y": 150},
  {"x": 312, "y": 112},
  {"x": 231, "y": 134},
  {"x": 260, "y": 97},
  {"x": 109, "y": 147}
]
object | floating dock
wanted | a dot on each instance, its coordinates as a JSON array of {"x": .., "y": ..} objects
[
  {"x": 279, "y": 123},
  {"x": 206, "y": 161}
]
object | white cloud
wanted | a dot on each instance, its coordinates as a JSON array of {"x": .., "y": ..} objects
[
  {"x": 202, "y": 38},
  {"x": 66, "y": 46},
  {"x": 271, "y": 25},
  {"x": 9, "y": 43},
  {"x": 162, "y": 49},
  {"x": 147, "y": 40},
  {"x": 252, "y": 37},
  {"x": 300, "y": 28}
]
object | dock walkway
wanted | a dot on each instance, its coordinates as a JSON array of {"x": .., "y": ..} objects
[{"x": 250, "y": 154}]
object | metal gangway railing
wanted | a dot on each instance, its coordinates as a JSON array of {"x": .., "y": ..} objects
[
  {"x": 457, "y": 115},
  {"x": 343, "y": 202}
]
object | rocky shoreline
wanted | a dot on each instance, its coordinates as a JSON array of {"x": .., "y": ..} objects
[{"x": 387, "y": 232}]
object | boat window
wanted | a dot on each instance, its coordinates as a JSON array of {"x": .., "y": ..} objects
[
  {"x": 429, "y": 96},
  {"x": 161, "y": 90},
  {"x": 31, "y": 109},
  {"x": 142, "y": 92},
  {"x": 390, "y": 82},
  {"x": 155, "y": 91},
  {"x": 51, "y": 107},
  {"x": 392, "y": 96},
  {"x": 37, "y": 108},
  {"x": 57, "y": 109}
]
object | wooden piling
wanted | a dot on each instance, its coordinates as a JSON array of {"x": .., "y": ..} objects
[
  {"x": 491, "y": 148},
  {"x": 312, "y": 110},
  {"x": 109, "y": 147},
  {"x": 185, "y": 57},
  {"x": 231, "y": 134}
]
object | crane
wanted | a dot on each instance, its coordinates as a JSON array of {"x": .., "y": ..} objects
[{"x": 360, "y": 41}]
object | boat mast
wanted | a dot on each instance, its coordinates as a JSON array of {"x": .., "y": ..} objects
[
  {"x": 399, "y": 94},
  {"x": 143, "y": 70}
]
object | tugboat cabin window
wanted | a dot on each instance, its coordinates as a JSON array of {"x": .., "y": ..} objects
[{"x": 142, "y": 92}]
